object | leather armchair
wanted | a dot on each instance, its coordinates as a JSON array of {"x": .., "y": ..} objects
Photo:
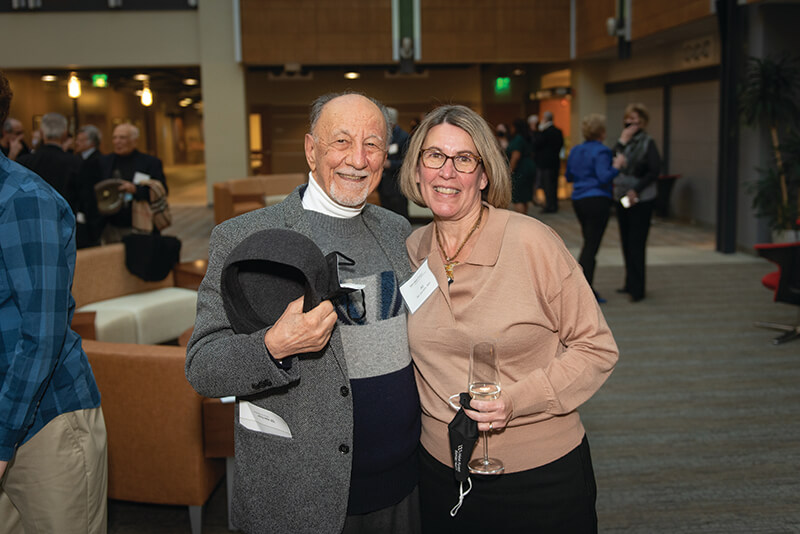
[{"x": 154, "y": 421}]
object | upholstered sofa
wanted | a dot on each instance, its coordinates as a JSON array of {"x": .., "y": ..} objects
[
  {"x": 128, "y": 309},
  {"x": 154, "y": 420},
  {"x": 234, "y": 197}
]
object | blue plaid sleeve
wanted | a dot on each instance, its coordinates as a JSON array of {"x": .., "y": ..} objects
[{"x": 35, "y": 304}]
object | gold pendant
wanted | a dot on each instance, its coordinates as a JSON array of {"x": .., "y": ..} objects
[{"x": 448, "y": 269}]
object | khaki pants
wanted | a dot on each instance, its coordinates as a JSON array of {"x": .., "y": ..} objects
[{"x": 58, "y": 480}]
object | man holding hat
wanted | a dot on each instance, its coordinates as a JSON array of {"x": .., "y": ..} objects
[{"x": 306, "y": 327}]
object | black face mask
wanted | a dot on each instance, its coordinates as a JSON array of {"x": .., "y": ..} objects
[{"x": 463, "y": 433}]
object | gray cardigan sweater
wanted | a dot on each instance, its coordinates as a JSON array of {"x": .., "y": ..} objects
[{"x": 297, "y": 484}]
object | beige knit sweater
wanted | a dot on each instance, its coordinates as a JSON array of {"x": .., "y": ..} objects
[{"x": 520, "y": 287}]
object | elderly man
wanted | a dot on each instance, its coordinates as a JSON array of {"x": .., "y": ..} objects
[
  {"x": 87, "y": 142},
  {"x": 12, "y": 139},
  {"x": 338, "y": 378},
  {"x": 127, "y": 163},
  {"x": 52, "y": 432},
  {"x": 58, "y": 168}
]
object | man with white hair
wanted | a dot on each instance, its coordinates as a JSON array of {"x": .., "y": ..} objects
[
  {"x": 50, "y": 161},
  {"x": 134, "y": 167}
]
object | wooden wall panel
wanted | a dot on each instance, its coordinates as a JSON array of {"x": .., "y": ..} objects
[
  {"x": 315, "y": 32},
  {"x": 311, "y": 32},
  {"x": 591, "y": 35},
  {"x": 651, "y": 17},
  {"x": 498, "y": 31}
]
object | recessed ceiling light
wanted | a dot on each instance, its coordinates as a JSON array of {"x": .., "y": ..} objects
[
  {"x": 352, "y": 75},
  {"x": 141, "y": 77},
  {"x": 49, "y": 78},
  {"x": 190, "y": 81}
]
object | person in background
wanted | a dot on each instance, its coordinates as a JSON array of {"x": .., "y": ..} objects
[
  {"x": 53, "y": 455},
  {"x": 591, "y": 168},
  {"x": 132, "y": 166},
  {"x": 635, "y": 190},
  {"x": 87, "y": 142},
  {"x": 12, "y": 140},
  {"x": 547, "y": 154},
  {"x": 344, "y": 386},
  {"x": 57, "y": 167},
  {"x": 523, "y": 169},
  {"x": 90, "y": 221},
  {"x": 501, "y": 132},
  {"x": 502, "y": 276},
  {"x": 389, "y": 189}
]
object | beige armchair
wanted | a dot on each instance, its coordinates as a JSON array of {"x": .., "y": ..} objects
[
  {"x": 235, "y": 197},
  {"x": 154, "y": 419},
  {"x": 127, "y": 309}
]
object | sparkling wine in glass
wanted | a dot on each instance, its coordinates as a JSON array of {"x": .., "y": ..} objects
[{"x": 484, "y": 384}]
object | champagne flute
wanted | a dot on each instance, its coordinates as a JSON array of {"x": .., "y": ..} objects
[{"x": 484, "y": 384}]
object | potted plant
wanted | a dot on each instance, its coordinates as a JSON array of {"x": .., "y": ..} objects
[{"x": 769, "y": 95}]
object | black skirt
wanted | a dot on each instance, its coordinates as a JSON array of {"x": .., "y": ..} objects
[{"x": 558, "y": 497}]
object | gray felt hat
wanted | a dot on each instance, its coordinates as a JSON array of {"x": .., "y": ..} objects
[{"x": 271, "y": 268}]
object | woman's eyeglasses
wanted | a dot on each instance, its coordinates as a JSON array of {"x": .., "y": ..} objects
[{"x": 432, "y": 158}]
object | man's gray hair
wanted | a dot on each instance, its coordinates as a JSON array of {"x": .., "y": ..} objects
[
  {"x": 54, "y": 126},
  {"x": 93, "y": 133},
  {"x": 319, "y": 103},
  {"x": 8, "y": 124},
  {"x": 548, "y": 116}
]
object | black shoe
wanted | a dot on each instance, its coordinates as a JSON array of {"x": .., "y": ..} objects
[
  {"x": 636, "y": 299},
  {"x": 623, "y": 290}
]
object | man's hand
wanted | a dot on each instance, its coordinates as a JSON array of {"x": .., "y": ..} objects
[
  {"x": 127, "y": 187},
  {"x": 297, "y": 332}
]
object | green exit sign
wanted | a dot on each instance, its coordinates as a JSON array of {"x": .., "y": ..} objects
[
  {"x": 100, "y": 80},
  {"x": 502, "y": 85}
]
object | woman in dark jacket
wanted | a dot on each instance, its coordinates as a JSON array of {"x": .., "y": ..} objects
[{"x": 635, "y": 191}]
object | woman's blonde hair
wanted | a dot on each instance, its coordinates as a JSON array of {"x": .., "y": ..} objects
[
  {"x": 593, "y": 126},
  {"x": 495, "y": 164},
  {"x": 639, "y": 109}
]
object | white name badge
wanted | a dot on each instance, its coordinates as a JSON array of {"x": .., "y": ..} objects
[
  {"x": 419, "y": 287},
  {"x": 261, "y": 420},
  {"x": 139, "y": 177}
]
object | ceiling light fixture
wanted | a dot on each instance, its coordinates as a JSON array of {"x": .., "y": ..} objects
[
  {"x": 190, "y": 81},
  {"x": 49, "y": 78},
  {"x": 352, "y": 75},
  {"x": 147, "y": 95},
  {"x": 74, "y": 86}
]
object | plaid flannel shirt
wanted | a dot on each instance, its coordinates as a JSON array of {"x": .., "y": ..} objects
[{"x": 43, "y": 369}]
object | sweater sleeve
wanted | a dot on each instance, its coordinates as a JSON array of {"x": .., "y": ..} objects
[
  {"x": 220, "y": 362},
  {"x": 585, "y": 358}
]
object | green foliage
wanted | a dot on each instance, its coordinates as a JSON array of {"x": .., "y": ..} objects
[
  {"x": 769, "y": 91},
  {"x": 769, "y": 95}
]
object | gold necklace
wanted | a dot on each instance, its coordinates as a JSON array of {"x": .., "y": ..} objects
[{"x": 450, "y": 261}]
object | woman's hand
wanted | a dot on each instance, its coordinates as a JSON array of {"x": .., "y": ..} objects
[
  {"x": 633, "y": 196},
  {"x": 627, "y": 133},
  {"x": 491, "y": 415}
]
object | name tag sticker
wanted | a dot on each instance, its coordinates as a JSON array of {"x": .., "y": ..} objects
[
  {"x": 261, "y": 420},
  {"x": 140, "y": 177},
  {"x": 419, "y": 287}
]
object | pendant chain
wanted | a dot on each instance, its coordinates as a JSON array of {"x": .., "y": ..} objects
[{"x": 450, "y": 261}]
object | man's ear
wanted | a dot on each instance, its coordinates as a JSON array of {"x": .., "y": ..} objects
[{"x": 311, "y": 158}]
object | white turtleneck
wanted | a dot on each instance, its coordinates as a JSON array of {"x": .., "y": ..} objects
[{"x": 316, "y": 199}]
